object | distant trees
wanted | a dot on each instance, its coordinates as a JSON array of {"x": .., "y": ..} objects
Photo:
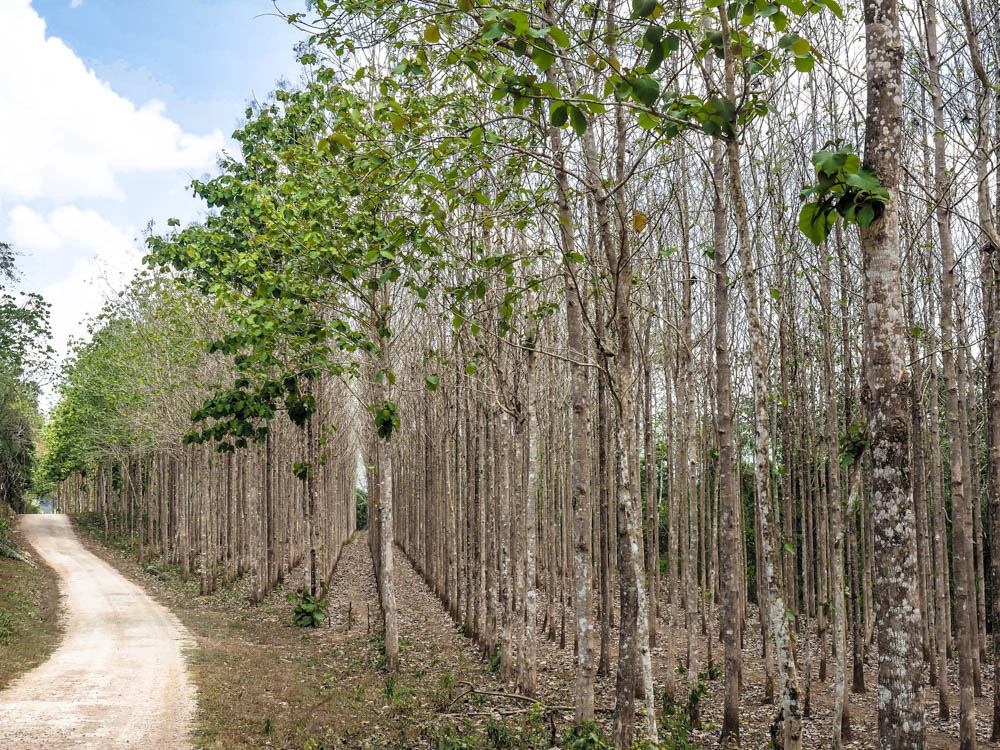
[{"x": 24, "y": 352}]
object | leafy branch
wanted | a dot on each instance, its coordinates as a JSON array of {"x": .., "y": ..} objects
[{"x": 844, "y": 188}]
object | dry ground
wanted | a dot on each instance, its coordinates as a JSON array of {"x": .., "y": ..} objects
[{"x": 264, "y": 683}]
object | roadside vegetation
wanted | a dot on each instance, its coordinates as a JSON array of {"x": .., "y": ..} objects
[{"x": 29, "y": 611}]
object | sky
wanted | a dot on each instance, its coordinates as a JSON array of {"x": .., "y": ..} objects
[{"x": 108, "y": 109}]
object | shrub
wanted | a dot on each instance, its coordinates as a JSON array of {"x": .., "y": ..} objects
[{"x": 310, "y": 611}]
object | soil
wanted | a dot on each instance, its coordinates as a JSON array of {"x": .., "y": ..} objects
[
  {"x": 263, "y": 683},
  {"x": 118, "y": 679}
]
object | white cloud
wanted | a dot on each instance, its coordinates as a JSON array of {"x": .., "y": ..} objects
[
  {"x": 65, "y": 134},
  {"x": 75, "y": 3},
  {"x": 99, "y": 257}
]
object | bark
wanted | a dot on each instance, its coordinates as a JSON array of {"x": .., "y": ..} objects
[
  {"x": 527, "y": 672},
  {"x": 836, "y": 524},
  {"x": 579, "y": 440},
  {"x": 900, "y": 702},
  {"x": 728, "y": 486},
  {"x": 790, "y": 714},
  {"x": 961, "y": 509}
]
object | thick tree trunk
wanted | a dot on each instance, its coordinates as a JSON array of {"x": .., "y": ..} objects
[{"x": 901, "y": 704}]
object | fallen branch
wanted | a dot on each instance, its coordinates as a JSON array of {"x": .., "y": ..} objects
[{"x": 12, "y": 551}]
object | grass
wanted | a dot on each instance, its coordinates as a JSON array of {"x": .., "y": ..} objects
[
  {"x": 29, "y": 615},
  {"x": 263, "y": 683}
]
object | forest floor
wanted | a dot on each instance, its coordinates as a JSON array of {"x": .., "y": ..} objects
[
  {"x": 263, "y": 683},
  {"x": 30, "y": 625},
  {"x": 118, "y": 677}
]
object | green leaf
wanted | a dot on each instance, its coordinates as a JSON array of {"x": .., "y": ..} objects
[
  {"x": 829, "y": 162},
  {"x": 542, "y": 58},
  {"x": 432, "y": 382},
  {"x": 648, "y": 121},
  {"x": 833, "y": 6},
  {"x": 646, "y": 90},
  {"x": 577, "y": 119},
  {"x": 655, "y": 58},
  {"x": 863, "y": 179},
  {"x": 787, "y": 41},
  {"x": 814, "y": 222},
  {"x": 559, "y": 36},
  {"x": 432, "y": 33},
  {"x": 804, "y": 64},
  {"x": 558, "y": 114},
  {"x": 865, "y": 215},
  {"x": 801, "y": 47},
  {"x": 493, "y": 31},
  {"x": 724, "y": 108},
  {"x": 643, "y": 8}
]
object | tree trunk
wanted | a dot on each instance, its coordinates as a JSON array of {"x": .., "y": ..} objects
[{"x": 901, "y": 705}]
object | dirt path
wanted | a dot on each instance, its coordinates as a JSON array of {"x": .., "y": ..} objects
[{"x": 118, "y": 679}]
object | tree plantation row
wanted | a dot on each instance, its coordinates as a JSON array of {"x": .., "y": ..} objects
[{"x": 644, "y": 325}]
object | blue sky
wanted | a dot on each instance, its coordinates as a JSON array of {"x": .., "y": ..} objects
[
  {"x": 117, "y": 105},
  {"x": 204, "y": 58}
]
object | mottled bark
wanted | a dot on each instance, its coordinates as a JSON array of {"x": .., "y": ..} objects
[{"x": 900, "y": 696}]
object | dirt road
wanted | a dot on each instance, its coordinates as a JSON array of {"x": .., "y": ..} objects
[{"x": 118, "y": 679}]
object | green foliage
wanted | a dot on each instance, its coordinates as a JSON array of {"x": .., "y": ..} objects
[
  {"x": 24, "y": 326},
  {"x": 24, "y": 356},
  {"x": 147, "y": 348},
  {"x": 496, "y": 40},
  {"x": 310, "y": 611},
  {"x": 853, "y": 443},
  {"x": 677, "y": 721},
  {"x": 361, "y": 508},
  {"x": 585, "y": 736},
  {"x": 338, "y": 209},
  {"x": 710, "y": 672},
  {"x": 844, "y": 188},
  {"x": 386, "y": 418},
  {"x": 502, "y": 736}
]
